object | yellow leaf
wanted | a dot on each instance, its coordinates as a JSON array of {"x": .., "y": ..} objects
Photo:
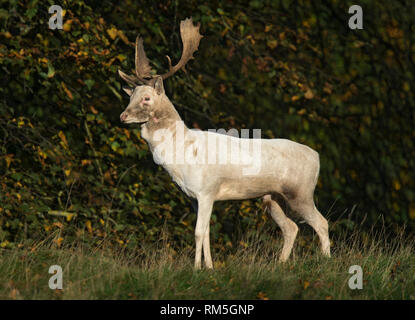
[
  {"x": 396, "y": 185},
  {"x": 306, "y": 284},
  {"x": 82, "y": 53},
  {"x": 4, "y": 244},
  {"x": 58, "y": 224},
  {"x": 67, "y": 172},
  {"x": 94, "y": 111},
  {"x": 406, "y": 86},
  {"x": 121, "y": 57},
  {"x": 262, "y": 296},
  {"x": 9, "y": 159},
  {"x": 59, "y": 241},
  {"x": 63, "y": 137},
  {"x": 294, "y": 98},
  {"x": 112, "y": 32},
  {"x": 107, "y": 64},
  {"x": 67, "y": 26},
  {"x": 68, "y": 93},
  {"x": 88, "y": 226},
  {"x": 309, "y": 94},
  {"x": 123, "y": 37},
  {"x": 85, "y": 162},
  {"x": 59, "y": 213},
  {"x": 272, "y": 43},
  {"x": 42, "y": 154},
  {"x": 412, "y": 211}
]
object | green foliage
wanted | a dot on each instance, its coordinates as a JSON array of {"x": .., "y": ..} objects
[{"x": 295, "y": 71}]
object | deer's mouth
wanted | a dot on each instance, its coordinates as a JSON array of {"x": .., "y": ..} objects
[
  {"x": 130, "y": 121},
  {"x": 127, "y": 121},
  {"x": 125, "y": 118},
  {"x": 142, "y": 123}
]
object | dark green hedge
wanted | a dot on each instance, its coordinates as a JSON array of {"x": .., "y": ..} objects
[{"x": 292, "y": 68}]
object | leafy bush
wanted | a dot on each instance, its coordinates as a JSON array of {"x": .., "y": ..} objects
[{"x": 295, "y": 71}]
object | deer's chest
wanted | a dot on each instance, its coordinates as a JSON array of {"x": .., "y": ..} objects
[{"x": 188, "y": 184}]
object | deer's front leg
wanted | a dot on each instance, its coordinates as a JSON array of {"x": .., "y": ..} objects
[
  {"x": 203, "y": 217},
  {"x": 206, "y": 248}
]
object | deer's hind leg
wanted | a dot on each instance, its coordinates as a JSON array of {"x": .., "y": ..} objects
[
  {"x": 288, "y": 227},
  {"x": 307, "y": 210}
]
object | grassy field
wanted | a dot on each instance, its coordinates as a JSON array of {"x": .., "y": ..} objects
[{"x": 248, "y": 272}]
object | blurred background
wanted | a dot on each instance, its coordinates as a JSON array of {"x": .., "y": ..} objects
[{"x": 69, "y": 168}]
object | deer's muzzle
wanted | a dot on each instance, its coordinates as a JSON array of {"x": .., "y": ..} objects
[{"x": 123, "y": 116}]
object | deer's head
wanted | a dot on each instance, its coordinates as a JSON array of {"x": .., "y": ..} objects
[{"x": 146, "y": 91}]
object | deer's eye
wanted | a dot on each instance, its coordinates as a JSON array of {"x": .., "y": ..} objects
[{"x": 146, "y": 98}]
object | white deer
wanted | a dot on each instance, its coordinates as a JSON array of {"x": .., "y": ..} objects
[{"x": 286, "y": 176}]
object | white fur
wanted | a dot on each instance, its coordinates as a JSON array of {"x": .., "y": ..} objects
[{"x": 285, "y": 173}]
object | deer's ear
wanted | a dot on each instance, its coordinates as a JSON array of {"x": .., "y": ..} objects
[
  {"x": 158, "y": 85},
  {"x": 128, "y": 90}
]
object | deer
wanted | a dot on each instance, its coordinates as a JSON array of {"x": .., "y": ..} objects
[{"x": 285, "y": 178}]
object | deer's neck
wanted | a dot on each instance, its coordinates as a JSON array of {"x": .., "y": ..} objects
[{"x": 163, "y": 126}]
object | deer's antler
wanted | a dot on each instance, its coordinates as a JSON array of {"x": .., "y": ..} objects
[
  {"x": 142, "y": 64},
  {"x": 190, "y": 37}
]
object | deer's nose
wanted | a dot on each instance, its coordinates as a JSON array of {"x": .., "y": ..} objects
[{"x": 123, "y": 116}]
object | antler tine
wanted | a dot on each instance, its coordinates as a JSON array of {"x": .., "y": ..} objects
[
  {"x": 190, "y": 37},
  {"x": 131, "y": 80},
  {"x": 142, "y": 64}
]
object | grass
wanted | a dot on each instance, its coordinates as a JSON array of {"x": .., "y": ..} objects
[{"x": 248, "y": 272}]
